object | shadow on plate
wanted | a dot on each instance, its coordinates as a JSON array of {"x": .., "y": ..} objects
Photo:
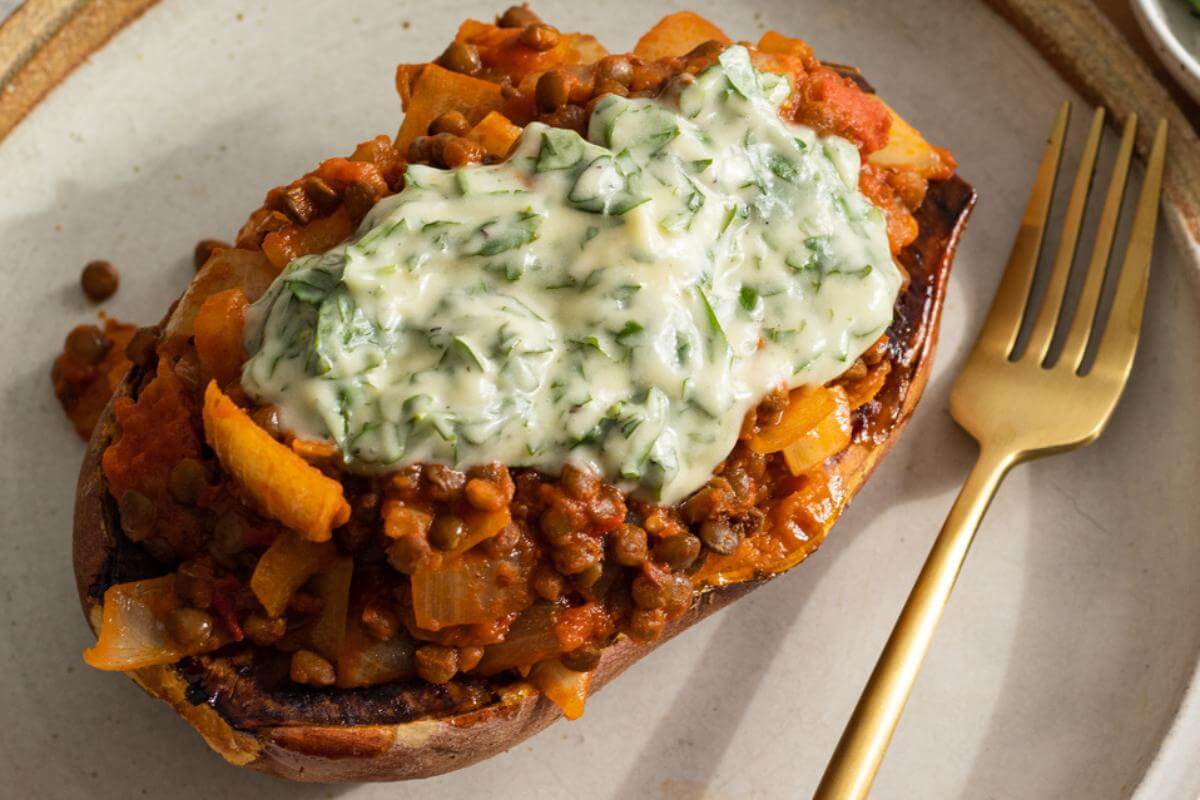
[{"x": 98, "y": 732}]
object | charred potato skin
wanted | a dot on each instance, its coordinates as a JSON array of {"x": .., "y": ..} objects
[{"x": 395, "y": 733}]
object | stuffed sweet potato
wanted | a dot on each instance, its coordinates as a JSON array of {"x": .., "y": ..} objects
[{"x": 472, "y": 419}]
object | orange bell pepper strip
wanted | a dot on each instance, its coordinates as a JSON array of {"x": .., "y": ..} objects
[
  {"x": 806, "y": 407},
  {"x": 677, "y": 34},
  {"x": 220, "y": 322},
  {"x": 829, "y": 436},
  {"x": 495, "y": 134},
  {"x": 438, "y": 90},
  {"x": 285, "y": 486}
]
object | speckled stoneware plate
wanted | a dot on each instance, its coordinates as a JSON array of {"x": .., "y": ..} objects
[
  {"x": 1173, "y": 27},
  {"x": 1073, "y": 635}
]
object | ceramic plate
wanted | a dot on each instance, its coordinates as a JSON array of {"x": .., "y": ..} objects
[
  {"x": 1062, "y": 661},
  {"x": 1173, "y": 26}
]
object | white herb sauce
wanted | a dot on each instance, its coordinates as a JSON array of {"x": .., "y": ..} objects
[{"x": 620, "y": 302}]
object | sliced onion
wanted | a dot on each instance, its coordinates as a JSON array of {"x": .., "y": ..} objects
[
  {"x": 133, "y": 633},
  {"x": 333, "y": 587},
  {"x": 531, "y": 638},
  {"x": 830, "y": 435},
  {"x": 470, "y": 589},
  {"x": 366, "y": 661}
]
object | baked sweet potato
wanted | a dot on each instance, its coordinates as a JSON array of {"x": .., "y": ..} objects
[{"x": 381, "y": 724}]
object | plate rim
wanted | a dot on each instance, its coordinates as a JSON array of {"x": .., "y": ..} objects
[
  {"x": 43, "y": 41},
  {"x": 1179, "y": 60}
]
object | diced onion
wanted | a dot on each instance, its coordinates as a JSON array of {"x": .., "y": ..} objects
[{"x": 468, "y": 590}]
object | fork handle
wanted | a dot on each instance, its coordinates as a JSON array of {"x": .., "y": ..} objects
[{"x": 854, "y": 763}]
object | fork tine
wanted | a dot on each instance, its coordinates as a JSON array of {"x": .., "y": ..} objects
[
  {"x": 1047, "y": 316},
  {"x": 1004, "y": 317},
  {"x": 1089, "y": 298},
  {"x": 1119, "y": 342}
]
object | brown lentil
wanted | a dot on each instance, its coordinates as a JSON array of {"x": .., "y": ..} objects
[
  {"x": 555, "y": 526},
  {"x": 229, "y": 534},
  {"x": 547, "y": 583},
  {"x": 186, "y": 480},
  {"x": 358, "y": 200},
  {"x": 770, "y": 409},
  {"x": 323, "y": 196},
  {"x": 485, "y": 495},
  {"x": 267, "y": 418},
  {"x": 408, "y": 554},
  {"x": 648, "y": 593},
  {"x": 461, "y": 57},
  {"x": 294, "y": 202},
  {"x": 616, "y": 69},
  {"x": 539, "y": 36},
  {"x": 719, "y": 536},
  {"x": 142, "y": 346},
  {"x": 99, "y": 280},
  {"x": 469, "y": 658},
  {"x": 272, "y": 222},
  {"x": 629, "y": 546},
  {"x": 458, "y": 152},
  {"x": 189, "y": 626},
  {"x": 677, "y": 552},
  {"x": 204, "y": 250},
  {"x": 584, "y": 658},
  {"x": 588, "y": 577},
  {"x": 608, "y": 507},
  {"x": 137, "y": 512},
  {"x": 646, "y": 625},
  {"x": 570, "y": 117},
  {"x": 680, "y": 593},
  {"x": 450, "y": 122},
  {"x": 446, "y": 531},
  {"x": 518, "y": 17},
  {"x": 611, "y": 87},
  {"x": 445, "y": 484},
  {"x": 580, "y": 483},
  {"x": 380, "y": 620},
  {"x": 437, "y": 664},
  {"x": 87, "y": 344},
  {"x": 503, "y": 542},
  {"x": 310, "y": 668},
  {"x": 576, "y": 553},
  {"x": 264, "y": 630},
  {"x": 420, "y": 150},
  {"x": 194, "y": 583},
  {"x": 553, "y": 90}
]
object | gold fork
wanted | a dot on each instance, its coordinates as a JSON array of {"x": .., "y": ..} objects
[{"x": 1018, "y": 406}]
